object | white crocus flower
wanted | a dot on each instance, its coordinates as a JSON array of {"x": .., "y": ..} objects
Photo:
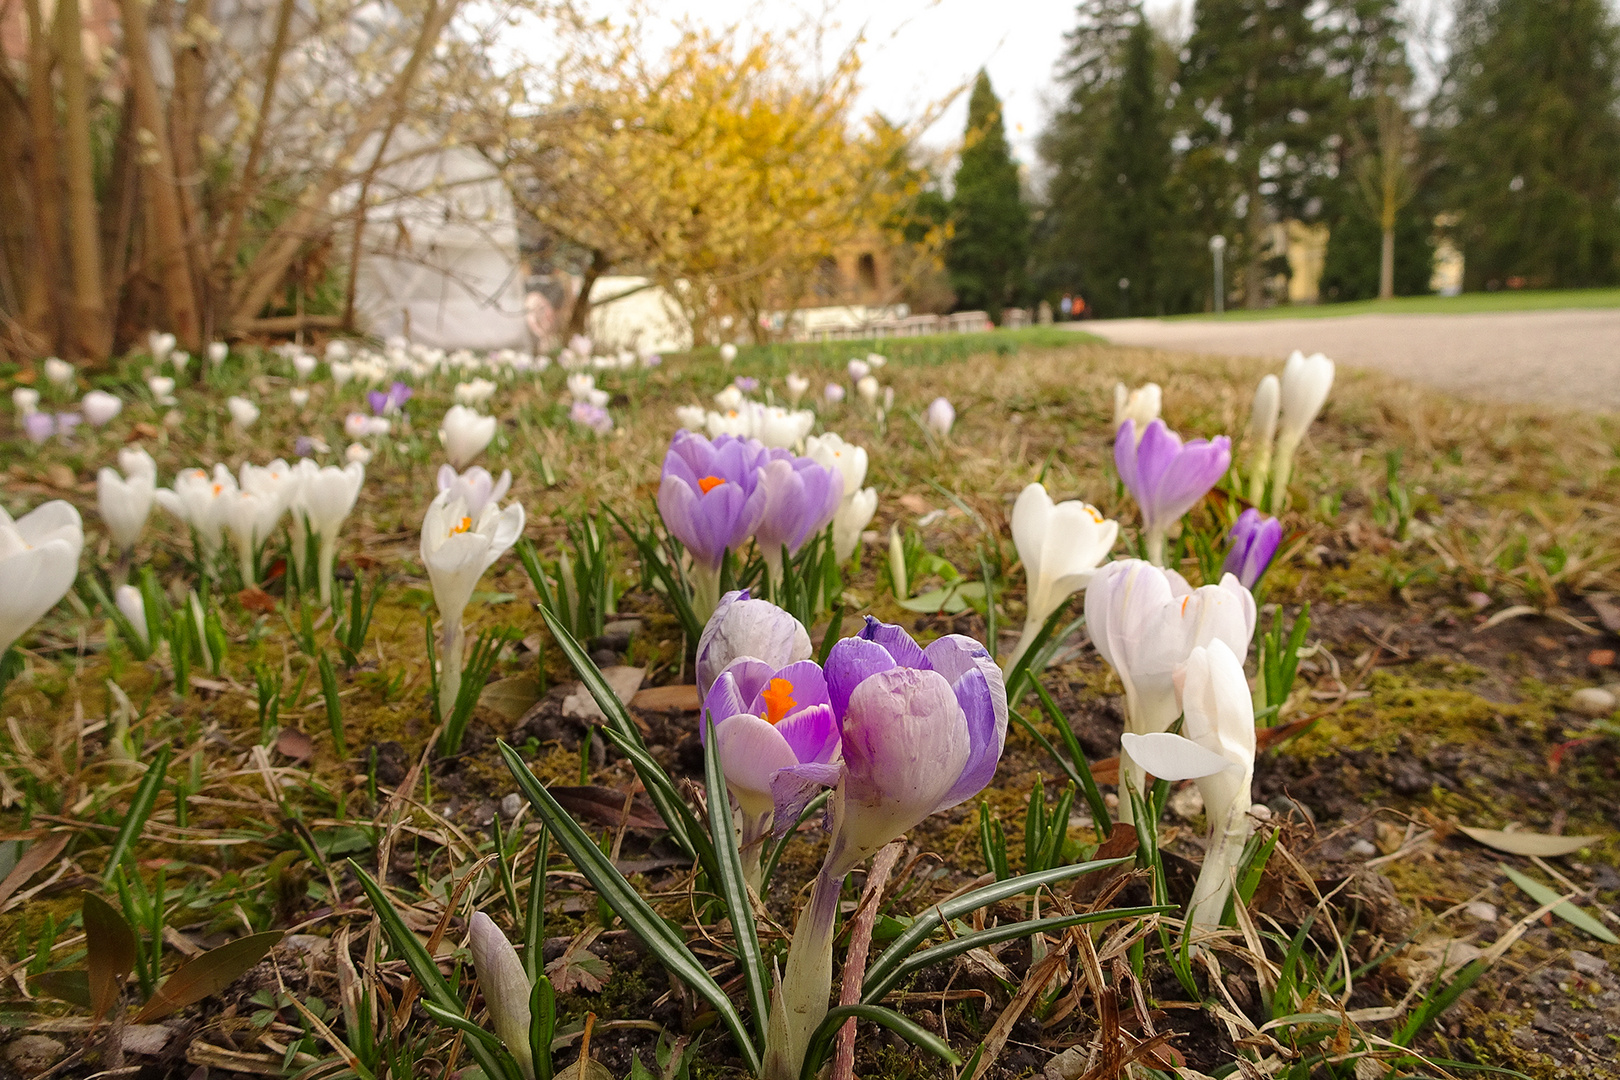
[
  {"x": 464, "y": 433},
  {"x": 266, "y": 492},
  {"x": 1145, "y": 622},
  {"x": 867, "y": 386},
  {"x": 729, "y": 398},
  {"x": 58, "y": 371},
  {"x": 475, "y": 392},
  {"x": 126, "y": 501},
  {"x": 322, "y": 499},
  {"x": 506, "y": 988},
  {"x": 580, "y": 385},
  {"x": 218, "y": 351},
  {"x": 132, "y": 606},
  {"x": 1216, "y": 748},
  {"x": 160, "y": 345},
  {"x": 941, "y": 417},
  {"x": 728, "y": 353},
  {"x": 457, "y": 547},
  {"x": 100, "y": 407},
  {"x": 476, "y": 487},
  {"x": 1141, "y": 405},
  {"x": 25, "y": 399},
  {"x": 691, "y": 417},
  {"x": 179, "y": 359},
  {"x": 1061, "y": 546},
  {"x": 797, "y": 385},
  {"x": 859, "y": 504},
  {"x": 200, "y": 501},
  {"x": 299, "y": 396},
  {"x": 1262, "y": 433},
  {"x": 303, "y": 364},
  {"x": 162, "y": 388},
  {"x": 1306, "y": 381},
  {"x": 342, "y": 371},
  {"x": 39, "y": 558},
  {"x": 243, "y": 412},
  {"x": 783, "y": 428}
]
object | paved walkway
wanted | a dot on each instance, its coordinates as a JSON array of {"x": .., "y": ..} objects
[{"x": 1563, "y": 358}]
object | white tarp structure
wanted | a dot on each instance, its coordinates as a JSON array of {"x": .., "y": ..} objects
[
  {"x": 439, "y": 263},
  {"x": 645, "y": 318}
]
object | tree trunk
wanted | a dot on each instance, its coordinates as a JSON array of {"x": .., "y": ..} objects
[
  {"x": 118, "y": 224},
  {"x": 44, "y": 313},
  {"x": 579, "y": 314},
  {"x": 1256, "y": 227},
  {"x": 90, "y": 337},
  {"x": 1386, "y": 266},
  {"x": 185, "y": 130},
  {"x": 165, "y": 226},
  {"x": 269, "y": 266}
]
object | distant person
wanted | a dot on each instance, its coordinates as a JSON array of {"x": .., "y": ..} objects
[{"x": 1066, "y": 305}]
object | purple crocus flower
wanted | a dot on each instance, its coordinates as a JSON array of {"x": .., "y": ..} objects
[
  {"x": 746, "y": 383},
  {"x": 38, "y": 426},
  {"x": 1166, "y": 476},
  {"x": 1254, "y": 540},
  {"x": 390, "y": 402},
  {"x": 589, "y": 415},
  {"x": 711, "y": 499},
  {"x": 769, "y": 720},
  {"x": 801, "y": 499},
  {"x": 66, "y": 422},
  {"x": 922, "y": 730},
  {"x": 834, "y": 393}
]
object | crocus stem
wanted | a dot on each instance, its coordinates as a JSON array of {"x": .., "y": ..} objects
[
  {"x": 244, "y": 558},
  {"x": 300, "y": 549},
  {"x": 1154, "y": 541},
  {"x": 1227, "y": 841},
  {"x": 799, "y": 1003},
  {"x": 1258, "y": 472},
  {"x": 1132, "y": 777},
  {"x": 705, "y": 590},
  {"x": 751, "y": 842},
  {"x": 773, "y": 567},
  {"x": 450, "y": 650},
  {"x": 1281, "y": 470},
  {"x": 1032, "y": 630},
  {"x": 328, "y": 557}
]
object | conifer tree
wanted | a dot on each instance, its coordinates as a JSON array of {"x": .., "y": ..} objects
[
  {"x": 1531, "y": 142},
  {"x": 990, "y": 246}
]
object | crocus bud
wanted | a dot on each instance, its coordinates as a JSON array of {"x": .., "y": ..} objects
[
  {"x": 126, "y": 501},
  {"x": 58, "y": 371},
  {"x": 691, "y": 417},
  {"x": 745, "y": 627},
  {"x": 506, "y": 988},
  {"x": 162, "y": 388},
  {"x": 1262, "y": 434},
  {"x": 867, "y": 386},
  {"x": 897, "y": 564},
  {"x": 728, "y": 353},
  {"x": 858, "y": 370},
  {"x": 940, "y": 417},
  {"x": 834, "y": 393},
  {"x": 217, "y": 352},
  {"x": 38, "y": 426},
  {"x": 464, "y": 434},
  {"x": 1306, "y": 382},
  {"x": 1141, "y": 406},
  {"x": 25, "y": 399},
  {"x": 133, "y": 607},
  {"x": 1254, "y": 541},
  {"x": 243, "y": 411},
  {"x": 101, "y": 407},
  {"x": 1216, "y": 747},
  {"x": 796, "y": 386},
  {"x": 729, "y": 397}
]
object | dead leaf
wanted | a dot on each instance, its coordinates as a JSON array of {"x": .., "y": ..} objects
[
  {"x": 38, "y": 856},
  {"x": 916, "y": 504},
  {"x": 110, "y": 953},
  {"x": 1607, "y": 609},
  {"x": 294, "y": 744},
  {"x": 665, "y": 698},
  {"x": 143, "y": 430},
  {"x": 512, "y": 697},
  {"x": 579, "y": 968},
  {"x": 208, "y": 974},
  {"x": 1540, "y": 845},
  {"x": 624, "y": 680},
  {"x": 61, "y": 477},
  {"x": 257, "y": 600},
  {"x": 605, "y": 806}
]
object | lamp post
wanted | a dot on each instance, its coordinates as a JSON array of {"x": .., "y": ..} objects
[
  {"x": 1217, "y": 248},
  {"x": 1125, "y": 296}
]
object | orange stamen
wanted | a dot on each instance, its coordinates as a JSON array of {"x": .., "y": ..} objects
[
  {"x": 463, "y": 526},
  {"x": 778, "y": 699},
  {"x": 709, "y": 483},
  {"x": 1184, "y": 600}
]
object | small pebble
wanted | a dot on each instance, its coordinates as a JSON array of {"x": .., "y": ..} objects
[
  {"x": 1586, "y": 964},
  {"x": 511, "y": 804},
  {"x": 1111, "y": 800},
  {"x": 1187, "y": 803},
  {"x": 1601, "y": 658},
  {"x": 1591, "y": 701},
  {"x": 33, "y": 1053},
  {"x": 1363, "y": 849},
  {"x": 1480, "y": 911},
  {"x": 1478, "y": 601}
]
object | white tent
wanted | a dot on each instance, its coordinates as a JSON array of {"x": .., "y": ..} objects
[{"x": 440, "y": 259}]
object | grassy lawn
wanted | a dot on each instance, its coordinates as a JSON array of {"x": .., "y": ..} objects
[
  {"x": 1447, "y": 551},
  {"x": 1466, "y": 304}
]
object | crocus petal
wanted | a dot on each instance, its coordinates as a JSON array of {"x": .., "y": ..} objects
[
  {"x": 898, "y": 643},
  {"x": 792, "y": 788},
  {"x": 852, "y": 661},
  {"x": 751, "y": 753},
  {"x": 1171, "y": 757}
]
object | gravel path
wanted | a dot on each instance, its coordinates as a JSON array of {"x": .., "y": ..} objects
[{"x": 1561, "y": 358}]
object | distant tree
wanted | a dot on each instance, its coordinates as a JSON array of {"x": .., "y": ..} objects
[
  {"x": 988, "y": 251},
  {"x": 1090, "y": 73},
  {"x": 1530, "y": 119},
  {"x": 1260, "y": 103},
  {"x": 1131, "y": 214},
  {"x": 1352, "y": 265}
]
